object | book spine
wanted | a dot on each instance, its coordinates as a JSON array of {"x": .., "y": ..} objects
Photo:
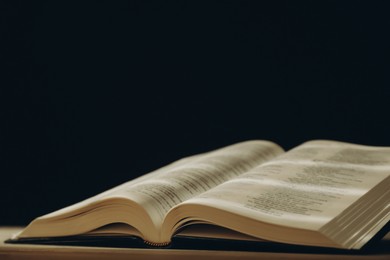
[{"x": 164, "y": 244}]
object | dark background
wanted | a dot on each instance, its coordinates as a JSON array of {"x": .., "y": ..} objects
[{"x": 94, "y": 93}]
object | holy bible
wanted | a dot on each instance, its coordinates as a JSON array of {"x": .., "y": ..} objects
[{"x": 322, "y": 193}]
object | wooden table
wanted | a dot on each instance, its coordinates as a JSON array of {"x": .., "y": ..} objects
[{"x": 14, "y": 251}]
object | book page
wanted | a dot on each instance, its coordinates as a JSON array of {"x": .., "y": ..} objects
[
  {"x": 90, "y": 202},
  {"x": 147, "y": 199},
  {"x": 177, "y": 184},
  {"x": 305, "y": 187}
]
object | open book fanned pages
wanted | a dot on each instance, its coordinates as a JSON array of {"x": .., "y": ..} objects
[{"x": 322, "y": 193}]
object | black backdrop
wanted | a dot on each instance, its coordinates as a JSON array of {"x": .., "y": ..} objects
[{"x": 95, "y": 93}]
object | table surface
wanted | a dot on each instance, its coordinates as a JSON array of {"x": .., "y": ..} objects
[{"x": 17, "y": 251}]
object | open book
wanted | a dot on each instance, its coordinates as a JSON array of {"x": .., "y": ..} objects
[{"x": 321, "y": 193}]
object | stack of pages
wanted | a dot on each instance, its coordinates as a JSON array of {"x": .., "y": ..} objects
[{"x": 322, "y": 193}]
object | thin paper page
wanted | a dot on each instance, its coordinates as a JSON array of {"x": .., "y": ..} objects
[
  {"x": 304, "y": 188},
  {"x": 158, "y": 195}
]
